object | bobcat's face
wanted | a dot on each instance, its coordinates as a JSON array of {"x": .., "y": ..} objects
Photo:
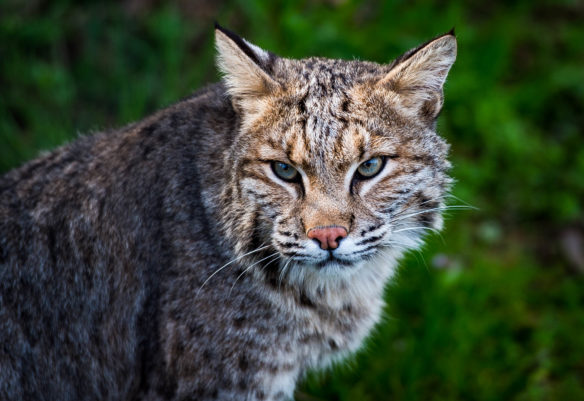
[{"x": 337, "y": 162}]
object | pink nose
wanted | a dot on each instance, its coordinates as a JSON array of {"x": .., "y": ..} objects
[{"x": 328, "y": 237}]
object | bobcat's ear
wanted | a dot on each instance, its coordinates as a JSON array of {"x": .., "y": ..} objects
[
  {"x": 245, "y": 66},
  {"x": 418, "y": 76}
]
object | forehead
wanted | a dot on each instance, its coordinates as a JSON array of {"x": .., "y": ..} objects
[{"x": 325, "y": 116}]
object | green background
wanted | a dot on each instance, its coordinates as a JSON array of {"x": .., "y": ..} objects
[{"x": 489, "y": 310}]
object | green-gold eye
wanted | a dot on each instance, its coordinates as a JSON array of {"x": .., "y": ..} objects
[
  {"x": 370, "y": 168},
  {"x": 285, "y": 171}
]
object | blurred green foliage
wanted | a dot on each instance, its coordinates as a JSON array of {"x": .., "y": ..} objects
[{"x": 492, "y": 310}]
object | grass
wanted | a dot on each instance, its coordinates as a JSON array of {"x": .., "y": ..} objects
[{"x": 492, "y": 309}]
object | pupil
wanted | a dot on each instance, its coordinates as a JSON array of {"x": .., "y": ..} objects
[
  {"x": 285, "y": 170},
  {"x": 370, "y": 167}
]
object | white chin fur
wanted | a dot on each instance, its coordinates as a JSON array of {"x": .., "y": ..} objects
[{"x": 338, "y": 285}]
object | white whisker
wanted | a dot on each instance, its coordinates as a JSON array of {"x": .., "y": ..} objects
[
  {"x": 399, "y": 217},
  {"x": 416, "y": 228},
  {"x": 284, "y": 270},
  {"x": 277, "y": 254},
  {"x": 460, "y": 200},
  {"x": 230, "y": 262},
  {"x": 401, "y": 246}
]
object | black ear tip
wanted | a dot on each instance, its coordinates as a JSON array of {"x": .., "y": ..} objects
[
  {"x": 451, "y": 32},
  {"x": 224, "y": 30},
  {"x": 231, "y": 35}
]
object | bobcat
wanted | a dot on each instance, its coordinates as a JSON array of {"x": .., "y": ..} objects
[{"x": 222, "y": 246}]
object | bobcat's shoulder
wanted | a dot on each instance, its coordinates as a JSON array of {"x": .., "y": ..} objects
[{"x": 222, "y": 246}]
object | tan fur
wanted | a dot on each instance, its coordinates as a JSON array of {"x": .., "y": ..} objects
[
  {"x": 418, "y": 80},
  {"x": 324, "y": 118},
  {"x": 170, "y": 259},
  {"x": 245, "y": 80}
]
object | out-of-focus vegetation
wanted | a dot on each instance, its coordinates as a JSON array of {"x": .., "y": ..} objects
[{"x": 492, "y": 309}]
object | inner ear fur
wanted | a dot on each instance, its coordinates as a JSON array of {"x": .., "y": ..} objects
[
  {"x": 415, "y": 83},
  {"x": 244, "y": 66}
]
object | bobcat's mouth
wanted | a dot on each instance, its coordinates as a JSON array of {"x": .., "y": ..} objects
[{"x": 333, "y": 260}]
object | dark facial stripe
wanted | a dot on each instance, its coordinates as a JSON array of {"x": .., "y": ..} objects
[
  {"x": 289, "y": 245},
  {"x": 257, "y": 176},
  {"x": 364, "y": 251},
  {"x": 369, "y": 240}
]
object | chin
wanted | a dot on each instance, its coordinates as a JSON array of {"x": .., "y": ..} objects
[{"x": 334, "y": 263}]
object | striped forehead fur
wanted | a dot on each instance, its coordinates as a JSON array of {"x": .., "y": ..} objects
[{"x": 325, "y": 117}]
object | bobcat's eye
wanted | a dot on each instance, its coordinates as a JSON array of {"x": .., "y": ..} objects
[
  {"x": 370, "y": 168},
  {"x": 285, "y": 171}
]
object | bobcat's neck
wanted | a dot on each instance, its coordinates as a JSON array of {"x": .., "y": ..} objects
[{"x": 333, "y": 314}]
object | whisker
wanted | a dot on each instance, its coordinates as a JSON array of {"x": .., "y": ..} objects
[
  {"x": 398, "y": 245},
  {"x": 460, "y": 200},
  {"x": 414, "y": 205},
  {"x": 417, "y": 252},
  {"x": 252, "y": 265},
  {"x": 435, "y": 231},
  {"x": 428, "y": 201},
  {"x": 416, "y": 228},
  {"x": 230, "y": 262},
  {"x": 439, "y": 199},
  {"x": 283, "y": 272},
  {"x": 419, "y": 255},
  {"x": 399, "y": 217}
]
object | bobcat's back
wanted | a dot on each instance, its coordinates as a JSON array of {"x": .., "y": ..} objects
[
  {"x": 227, "y": 244},
  {"x": 85, "y": 234}
]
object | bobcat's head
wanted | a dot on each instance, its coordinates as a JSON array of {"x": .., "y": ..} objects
[{"x": 336, "y": 163}]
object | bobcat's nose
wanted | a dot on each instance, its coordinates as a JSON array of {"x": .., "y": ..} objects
[{"x": 328, "y": 237}]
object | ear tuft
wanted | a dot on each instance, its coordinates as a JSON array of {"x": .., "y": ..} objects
[
  {"x": 243, "y": 64},
  {"x": 418, "y": 77}
]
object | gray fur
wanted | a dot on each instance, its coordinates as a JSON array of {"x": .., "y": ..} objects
[{"x": 150, "y": 262}]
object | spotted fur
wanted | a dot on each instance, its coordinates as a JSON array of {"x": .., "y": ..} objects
[{"x": 167, "y": 261}]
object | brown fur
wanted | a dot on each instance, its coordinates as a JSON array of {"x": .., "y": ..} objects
[{"x": 167, "y": 260}]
